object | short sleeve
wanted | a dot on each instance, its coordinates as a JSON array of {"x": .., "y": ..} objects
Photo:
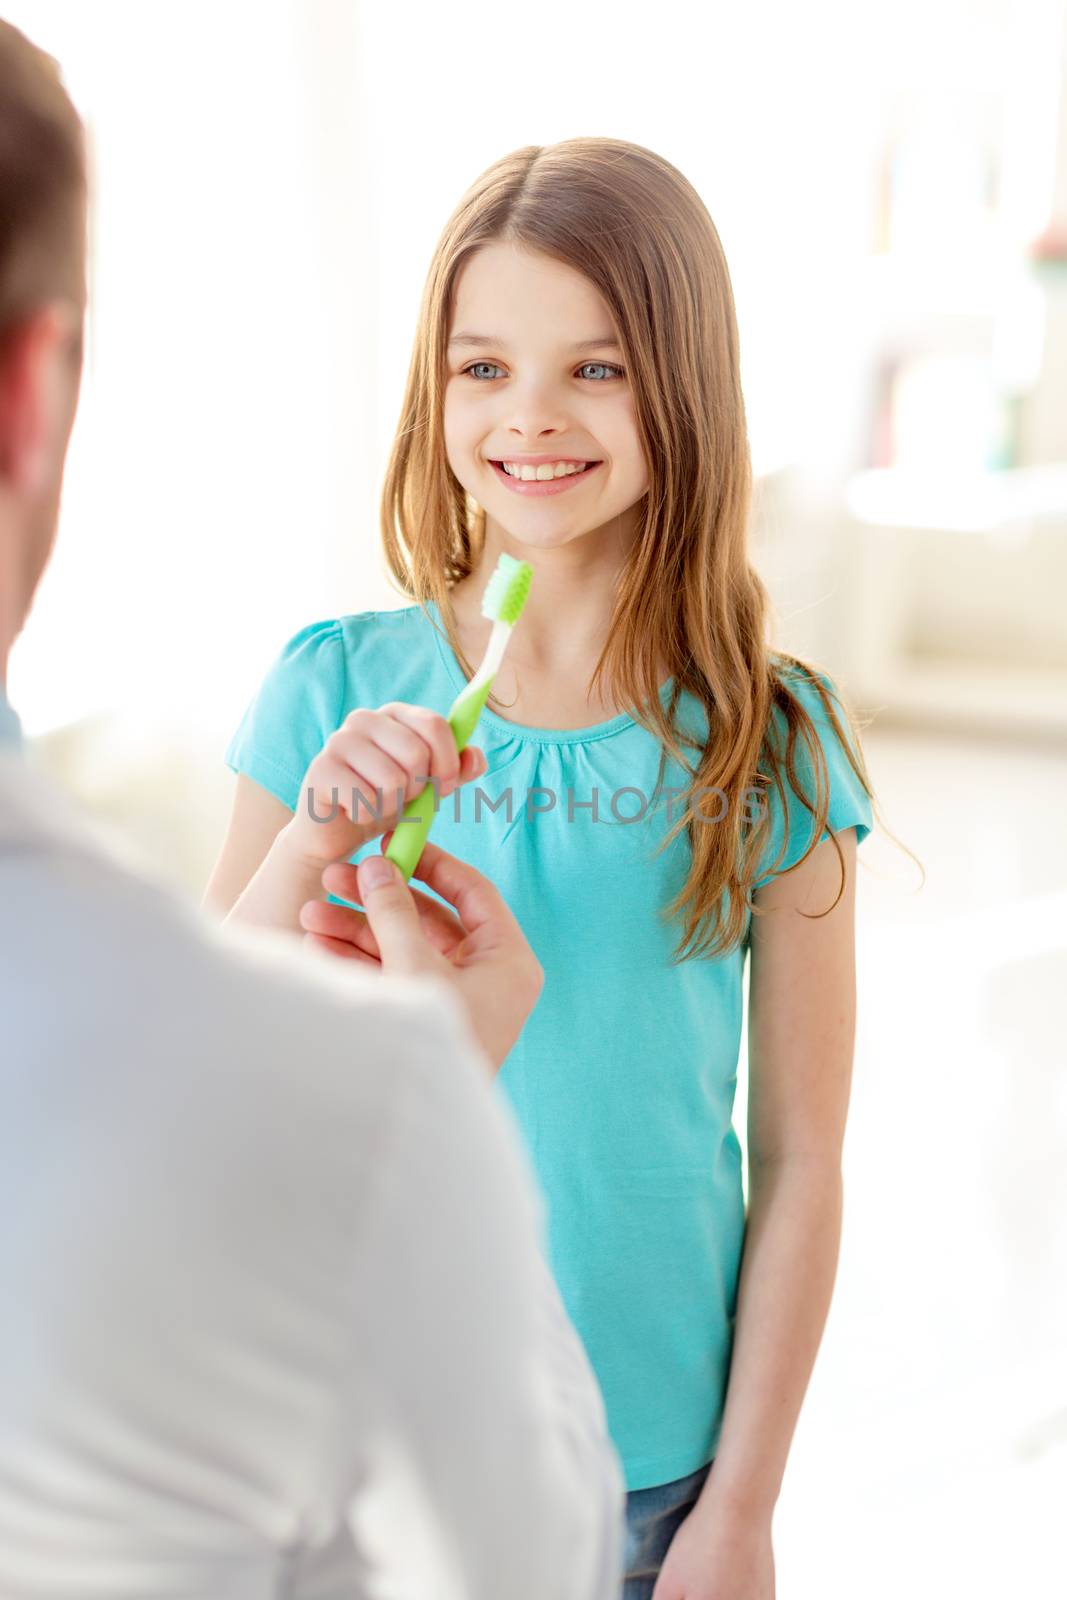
[
  {"x": 849, "y": 803},
  {"x": 298, "y": 705}
]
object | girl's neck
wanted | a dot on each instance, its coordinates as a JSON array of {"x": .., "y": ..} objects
[
  {"x": 562, "y": 633},
  {"x": 547, "y": 684},
  {"x": 566, "y": 621}
]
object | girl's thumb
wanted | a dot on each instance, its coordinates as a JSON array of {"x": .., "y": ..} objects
[{"x": 393, "y": 915}]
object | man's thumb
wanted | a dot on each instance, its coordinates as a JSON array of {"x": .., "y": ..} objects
[{"x": 393, "y": 915}]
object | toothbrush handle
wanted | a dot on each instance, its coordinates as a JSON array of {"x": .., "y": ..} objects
[{"x": 413, "y": 827}]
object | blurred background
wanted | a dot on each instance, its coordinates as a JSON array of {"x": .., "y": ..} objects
[{"x": 890, "y": 186}]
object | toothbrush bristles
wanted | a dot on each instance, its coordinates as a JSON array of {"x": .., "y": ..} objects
[{"x": 507, "y": 589}]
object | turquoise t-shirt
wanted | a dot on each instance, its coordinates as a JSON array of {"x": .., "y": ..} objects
[{"x": 622, "y": 1081}]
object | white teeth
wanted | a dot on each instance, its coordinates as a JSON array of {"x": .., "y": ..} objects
[{"x": 558, "y": 469}]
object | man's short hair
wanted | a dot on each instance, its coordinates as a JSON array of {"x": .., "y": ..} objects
[{"x": 42, "y": 183}]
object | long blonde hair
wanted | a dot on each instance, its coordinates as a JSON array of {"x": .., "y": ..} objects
[{"x": 688, "y": 595}]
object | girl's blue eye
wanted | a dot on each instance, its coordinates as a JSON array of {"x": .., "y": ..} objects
[
  {"x": 469, "y": 371},
  {"x": 617, "y": 370}
]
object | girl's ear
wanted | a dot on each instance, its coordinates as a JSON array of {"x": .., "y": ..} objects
[{"x": 40, "y": 374}]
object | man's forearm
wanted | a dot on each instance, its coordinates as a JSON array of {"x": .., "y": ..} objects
[
  {"x": 281, "y": 885},
  {"x": 788, "y": 1266}
]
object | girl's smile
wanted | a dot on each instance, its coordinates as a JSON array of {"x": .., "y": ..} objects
[{"x": 563, "y": 477}]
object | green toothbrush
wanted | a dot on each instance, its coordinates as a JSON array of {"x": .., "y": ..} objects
[{"x": 503, "y": 600}]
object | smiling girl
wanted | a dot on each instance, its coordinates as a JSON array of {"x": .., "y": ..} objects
[{"x": 574, "y": 400}]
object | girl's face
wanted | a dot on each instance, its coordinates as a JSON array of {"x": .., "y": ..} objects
[{"x": 533, "y": 369}]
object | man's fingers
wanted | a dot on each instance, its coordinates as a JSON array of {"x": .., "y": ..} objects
[
  {"x": 394, "y": 917},
  {"x": 345, "y": 922},
  {"x": 334, "y": 922},
  {"x": 441, "y": 926},
  {"x": 476, "y": 900},
  {"x": 342, "y": 949},
  {"x": 404, "y": 926}
]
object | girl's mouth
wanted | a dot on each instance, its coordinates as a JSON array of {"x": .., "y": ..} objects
[{"x": 540, "y": 486}]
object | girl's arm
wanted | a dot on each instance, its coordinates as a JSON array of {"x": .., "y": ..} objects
[
  {"x": 259, "y": 878},
  {"x": 801, "y": 1029},
  {"x": 273, "y": 858}
]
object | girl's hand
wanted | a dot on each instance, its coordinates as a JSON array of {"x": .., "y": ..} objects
[
  {"x": 718, "y": 1553},
  {"x": 398, "y": 747},
  {"x": 480, "y": 952}
]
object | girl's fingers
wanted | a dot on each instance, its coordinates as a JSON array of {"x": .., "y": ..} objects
[
  {"x": 369, "y": 784},
  {"x": 472, "y": 763},
  {"x": 449, "y": 769},
  {"x": 400, "y": 746},
  {"x": 434, "y": 729},
  {"x": 373, "y": 785}
]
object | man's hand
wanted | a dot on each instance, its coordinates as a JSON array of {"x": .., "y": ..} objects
[{"x": 480, "y": 951}]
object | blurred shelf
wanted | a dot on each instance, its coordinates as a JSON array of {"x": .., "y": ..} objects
[
  {"x": 955, "y": 616},
  {"x": 943, "y": 284},
  {"x": 982, "y": 697},
  {"x": 980, "y": 502}
]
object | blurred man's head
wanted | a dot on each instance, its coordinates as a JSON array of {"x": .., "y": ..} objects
[{"x": 42, "y": 306}]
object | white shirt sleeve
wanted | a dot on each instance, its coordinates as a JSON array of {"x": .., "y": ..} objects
[
  {"x": 468, "y": 1362},
  {"x": 268, "y": 1238}
]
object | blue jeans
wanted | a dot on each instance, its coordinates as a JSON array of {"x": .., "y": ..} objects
[{"x": 653, "y": 1517}]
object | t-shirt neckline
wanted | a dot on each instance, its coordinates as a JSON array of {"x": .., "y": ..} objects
[{"x": 520, "y": 730}]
